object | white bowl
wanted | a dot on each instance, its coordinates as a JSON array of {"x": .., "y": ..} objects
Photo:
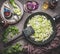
[{"x": 12, "y": 20}]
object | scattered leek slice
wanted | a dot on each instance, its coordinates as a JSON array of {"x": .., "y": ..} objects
[{"x": 16, "y": 10}]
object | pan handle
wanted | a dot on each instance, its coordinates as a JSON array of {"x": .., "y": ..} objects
[{"x": 56, "y": 18}]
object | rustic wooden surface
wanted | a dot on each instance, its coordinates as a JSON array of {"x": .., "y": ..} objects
[{"x": 21, "y": 23}]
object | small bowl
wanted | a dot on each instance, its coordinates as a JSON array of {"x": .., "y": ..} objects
[
  {"x": 7, "y": 15},
  {"x": 31, "y": 5}
]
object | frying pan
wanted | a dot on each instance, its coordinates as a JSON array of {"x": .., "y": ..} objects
[
  {"x": 27, "y": 33},
  {"x": 53, "y": 22}
]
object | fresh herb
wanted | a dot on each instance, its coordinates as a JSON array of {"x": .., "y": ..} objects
[
  {"x": 10, "y": 31},
  {"x": 17, "y": 48}
]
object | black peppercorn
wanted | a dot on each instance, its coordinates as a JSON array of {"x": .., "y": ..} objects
[{"x": 53, "y": 4}]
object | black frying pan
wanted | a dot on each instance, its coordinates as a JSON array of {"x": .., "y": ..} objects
[
  {"x": 53, "y": 25},
  {"x": 27, "y": 31}
]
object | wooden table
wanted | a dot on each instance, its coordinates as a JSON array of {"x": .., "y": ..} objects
[{"x": 50, "y": 12}]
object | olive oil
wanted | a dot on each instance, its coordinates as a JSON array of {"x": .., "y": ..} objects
[{"x": 45, "y": 5}]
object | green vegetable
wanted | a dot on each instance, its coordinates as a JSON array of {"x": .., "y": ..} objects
[
  {"x": 13, "y": 49},
  {"x": 10, "y": 31},
  {"x": 42, "y": 26},
  {"x": 13, "y": 3},
  {"x": 16, "y": 8}
]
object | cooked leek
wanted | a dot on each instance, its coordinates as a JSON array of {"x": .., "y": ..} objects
[{"x": 42, "y": 26}]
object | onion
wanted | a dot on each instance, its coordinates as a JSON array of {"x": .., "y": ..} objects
[
  {"x": 31, "y": 5},
  {"x": 35, "y": 4}
]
